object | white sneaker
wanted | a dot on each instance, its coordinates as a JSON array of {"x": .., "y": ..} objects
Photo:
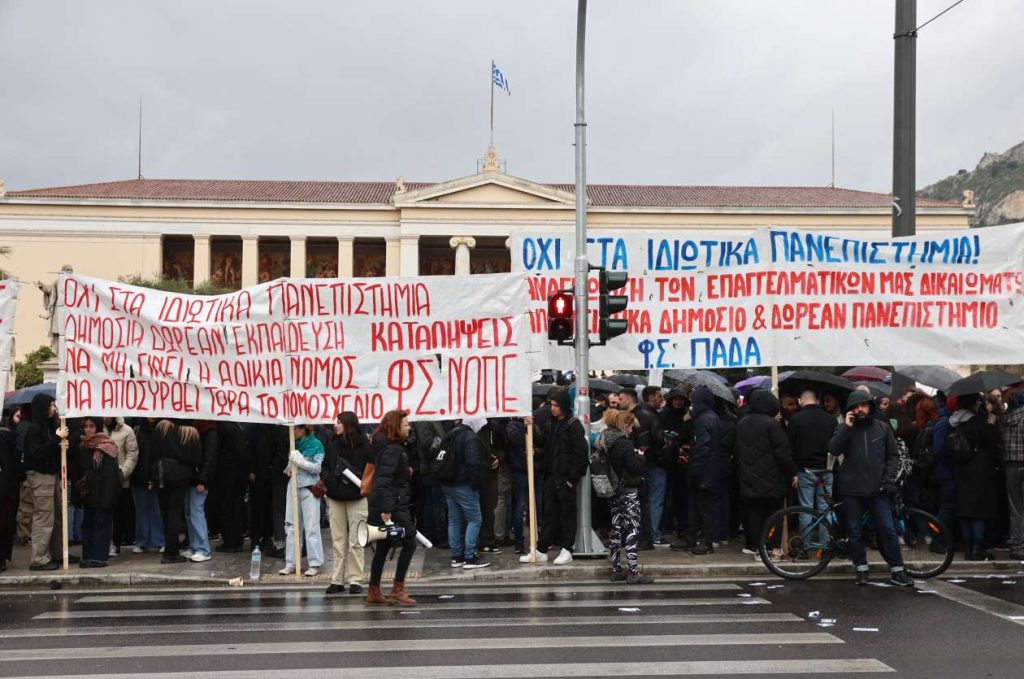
[
  {"x": 199, "y": 557},
  {"x": 287, "y": 570},
  {"x": 541, "y": 558},
  {"x": 564, "y": 557},
  {"x": 187, "y": 553},
  {"x": 113, "y": 551},
  {"x": 748, "y": 552},
  {"x": 161, "y": 550},
  {"x": 138, "y": 550},
  {"x": 312, "y": 572}
]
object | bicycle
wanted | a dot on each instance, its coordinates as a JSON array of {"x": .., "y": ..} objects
[{"x": 796, "y": 553}]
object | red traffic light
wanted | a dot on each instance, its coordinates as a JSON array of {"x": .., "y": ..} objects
[{"x": 560, "y": 316}]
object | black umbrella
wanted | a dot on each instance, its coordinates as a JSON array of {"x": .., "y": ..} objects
[
  {"x": 597, "y": 384},
  {"x": 542, "y": 388},
  {"x": 982, "y": 381},
  {"x": 799, "y": 380},
  {"x": 877, "y": 389},
  {"x": 628, "y": 380},
  {"x": 934, "y": 376},
  {"x": 23, "y": 396},
  {"x": 703, "y": 378}
]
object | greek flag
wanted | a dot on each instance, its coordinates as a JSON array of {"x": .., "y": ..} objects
[{"x": 499, "y": 79}]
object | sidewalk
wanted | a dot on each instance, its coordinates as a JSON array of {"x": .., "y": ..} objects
[{"x": 145, "y": 570}]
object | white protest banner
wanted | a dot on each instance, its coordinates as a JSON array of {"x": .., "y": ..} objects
[
  {"x": 777, "y": 296},
  {"x": 8, "y": 304},
  {"x": 297, "y": 350}
]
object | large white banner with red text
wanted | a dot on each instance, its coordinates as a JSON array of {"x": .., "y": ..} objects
[
  {"x": 8, "y": 303},
  {"x": 297, "y": 350},
  {"x": 777, "y": 296}
]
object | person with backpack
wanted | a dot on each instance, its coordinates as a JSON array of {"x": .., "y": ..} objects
[
  {"x": 566, "y": 454},
  {"x": 767, "y": 470},
  {"x": 177, "y": 453},
  {"x": 624, "y": 467},
  {"x": 457, "y": 465},
  {"x": 972, "y": 445}
]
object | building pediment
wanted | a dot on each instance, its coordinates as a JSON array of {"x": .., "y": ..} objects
[{"x": 486, "y": 189}]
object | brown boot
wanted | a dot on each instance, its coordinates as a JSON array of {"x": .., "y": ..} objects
[
  {"x": 399, "y": 595},
  {"x": 374, "y": 597}
]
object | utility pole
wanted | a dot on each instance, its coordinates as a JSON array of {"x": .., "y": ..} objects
[
  {"x": 904, "y": 212},
  {"x": 587, "y": 542}
]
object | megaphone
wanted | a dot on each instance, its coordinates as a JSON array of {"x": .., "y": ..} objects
[{"x": 365, "y": 533}]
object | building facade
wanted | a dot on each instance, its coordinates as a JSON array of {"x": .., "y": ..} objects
[{"x": 233, "y": 234}]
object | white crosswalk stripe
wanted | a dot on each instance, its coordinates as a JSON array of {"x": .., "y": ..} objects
[{"x": 559, "y": 630}]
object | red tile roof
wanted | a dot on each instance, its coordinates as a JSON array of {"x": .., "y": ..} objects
[{"x": 377, "y": 193}]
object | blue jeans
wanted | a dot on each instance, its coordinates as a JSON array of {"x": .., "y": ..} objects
[
  {"x": 195, "y": 520},
  {"x": 97, "y": 526},
  {"x": 657, "y": 483},
  {"x": 149, "y": 525},
  {"x": 809, "y": 495},
  {"x": 76, "y": 516},
  {"x": 881, "y": 512},
  {"x": 463, "y": 501}
]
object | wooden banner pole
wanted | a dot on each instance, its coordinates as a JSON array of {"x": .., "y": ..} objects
[
  {"x": 296, "y": 538},
  {"x": 531, "y": 490},
  {"x": 64, "y": 491}
]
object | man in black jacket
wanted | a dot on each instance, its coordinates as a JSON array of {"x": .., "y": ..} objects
[
  {"x": 870, "y": 461},
  {"x": 232, "y": 477},
  {"x": 268, "y": 488},
  {"x": 462, "y": 492},
  {"x": 566, "y": 456},
  {"x": 42, "y": 464},
  {"x": 809, "y": 432},
  {"x": 703, "y": 469}
]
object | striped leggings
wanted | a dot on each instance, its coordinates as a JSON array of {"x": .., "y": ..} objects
[{"x": 625, "y": 529}]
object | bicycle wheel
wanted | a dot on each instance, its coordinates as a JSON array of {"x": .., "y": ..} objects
[
  {"x": 794, "y": 553},
  {"x": 919, "y": 559}
]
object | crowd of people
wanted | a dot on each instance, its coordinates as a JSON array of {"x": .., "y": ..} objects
[{"x": 693, "y": 471}]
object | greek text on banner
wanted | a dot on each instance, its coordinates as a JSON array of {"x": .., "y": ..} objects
[
  {"x": 777, "y": 296},
  {"x": 297, "y": 350}
]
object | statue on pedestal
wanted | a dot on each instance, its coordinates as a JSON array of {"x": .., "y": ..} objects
[{"x": 51, "y": 293}]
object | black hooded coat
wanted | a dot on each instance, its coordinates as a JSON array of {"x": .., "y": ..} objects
[
  {"x": 705, "y": 460},
  {"x": 765, "y": 463}
]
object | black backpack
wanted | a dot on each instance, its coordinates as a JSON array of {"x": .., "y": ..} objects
[
  {"x": 602, "y": 475},
  {"x": 958, "y": 445},
  {"x": 443, "y": 465},
  {"x": 923, "y": 452}
]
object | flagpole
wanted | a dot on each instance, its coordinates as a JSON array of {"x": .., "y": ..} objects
[{"x": 492, "y": 102}]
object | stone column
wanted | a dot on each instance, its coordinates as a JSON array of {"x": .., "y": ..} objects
[
  {"x": 392, "y": 256},
  {"x": 462, "y": 245},
  {"x": 410, "y": 246},
  {"x": 201, "y": 260},
  {"x": 250, "y": 260},
  {"x": 298, "y": 256},
  {"x": 346, "y": 256}
]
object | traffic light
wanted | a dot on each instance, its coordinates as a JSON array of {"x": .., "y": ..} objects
[
  {"x": 560, "y": 310},
  {"x": 611, "y": 304}
]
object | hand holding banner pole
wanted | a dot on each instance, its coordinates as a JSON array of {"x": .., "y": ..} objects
[
  {"x": 64, "y": 488},
  {"x": 530, "y": 490},
  {"x": 296, "y": 539}
]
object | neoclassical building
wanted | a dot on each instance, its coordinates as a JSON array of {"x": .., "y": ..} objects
[{"x": 239, "y": 233}]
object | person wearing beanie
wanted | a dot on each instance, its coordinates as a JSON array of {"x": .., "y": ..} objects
[
  {"x": 566, "y": 457},
  {"x": 870, "y": 462}
]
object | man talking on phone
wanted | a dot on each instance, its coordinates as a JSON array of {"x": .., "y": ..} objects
[{"x": 870, "y": 459}]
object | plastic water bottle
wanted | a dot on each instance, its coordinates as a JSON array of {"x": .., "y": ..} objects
[{"x": 254, "y": 568}]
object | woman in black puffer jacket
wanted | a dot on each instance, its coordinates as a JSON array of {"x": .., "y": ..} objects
[
  {"x": 767, "y": 469},
  {"x": 389, "y": 503},
  {"x": 347, "y": 449},
  {"x": 176, "y": 458}
]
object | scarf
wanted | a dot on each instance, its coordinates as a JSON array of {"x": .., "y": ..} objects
[
  {"x": 309, "y": 446},
  {"x": 100, "y": 442}
]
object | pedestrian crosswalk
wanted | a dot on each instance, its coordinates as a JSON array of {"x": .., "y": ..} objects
[{"x": 457, "y": 631}]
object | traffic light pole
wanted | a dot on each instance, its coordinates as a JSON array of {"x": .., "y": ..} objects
[
  {"x": 904, "y": 211},
  {"x": 587, "y": 542}
]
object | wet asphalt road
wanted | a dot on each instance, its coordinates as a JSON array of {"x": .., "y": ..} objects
[{"x": 674, "y": 628}]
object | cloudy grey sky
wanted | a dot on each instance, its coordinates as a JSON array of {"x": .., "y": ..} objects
[{"x": 679, "y": 91}]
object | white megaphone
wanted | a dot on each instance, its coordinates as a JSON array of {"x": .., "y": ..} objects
[{"x": 365, "y": 533}]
